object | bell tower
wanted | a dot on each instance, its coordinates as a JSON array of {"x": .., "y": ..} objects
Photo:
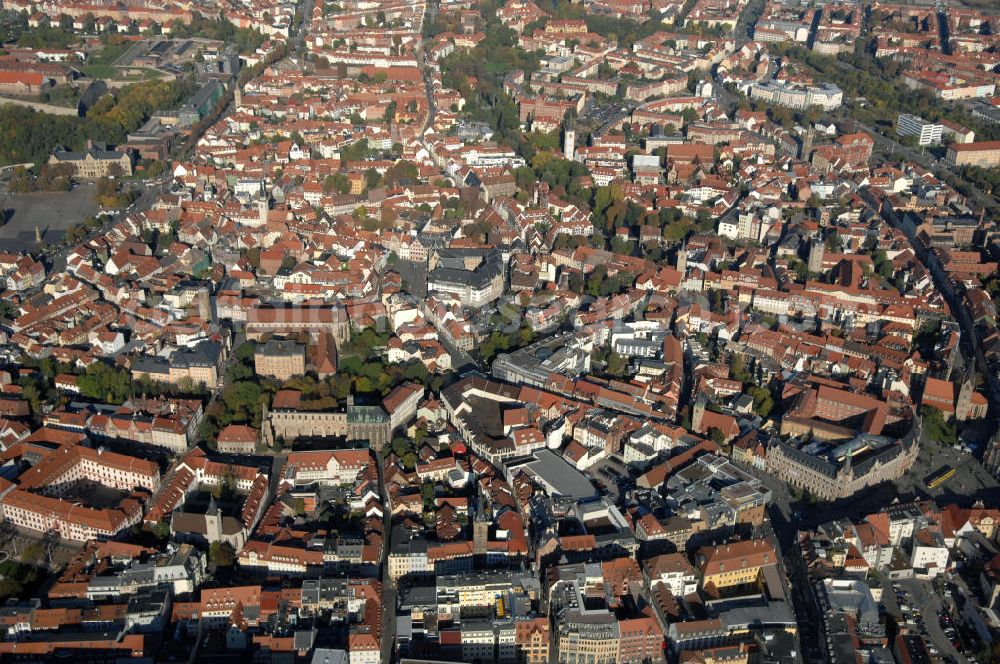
[
  {"x": 263, "y": 205},
  {"x": 963, "y": 407},
  {"x": 569, "y": 140},
  {"x": 698, "y": 412},
  {"x": 682, "y": 259},
  {"x": 213, "y": 522},
  {"x": 816, "y": 254}
]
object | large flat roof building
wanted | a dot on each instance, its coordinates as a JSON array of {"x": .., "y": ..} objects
[
  {"x": 475, "y": 276},
  {"x": 555, "y": 474}
]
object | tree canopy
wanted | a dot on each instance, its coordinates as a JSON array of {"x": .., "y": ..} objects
[{"x": 27, "y": 135}]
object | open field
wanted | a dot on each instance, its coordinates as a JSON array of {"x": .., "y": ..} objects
[
  {"x": 111, "y": 73},
  {"x": 100, "y": 71}
]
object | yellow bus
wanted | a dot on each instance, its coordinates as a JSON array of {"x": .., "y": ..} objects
[{"x": 938, "y": 478}]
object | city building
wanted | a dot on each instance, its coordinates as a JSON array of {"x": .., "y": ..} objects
[
  {"x": 826, "y": 97},
  {"x": 985, "y": 154},
  {"x": 736, "y": 564},
  {"x": 279, "y": 359},
  {"x": 475, "y": 276},
  {"x": 197, "y": 365},
  {"x": 95, "y": 162},
  {"x": 79, "y": 492},
  {"x": 289, "y": 418}
]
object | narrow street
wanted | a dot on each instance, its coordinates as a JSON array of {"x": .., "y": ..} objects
[
  {"x": 388, "y": 588},
  {"x": 430, "y": 11},
  {"x": 460, "y": 360},
  {"x": 744, "y": 27}
]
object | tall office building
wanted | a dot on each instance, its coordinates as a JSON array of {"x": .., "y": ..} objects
[{"x": 927, "y": 133}]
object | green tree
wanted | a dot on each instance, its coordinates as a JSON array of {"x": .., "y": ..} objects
[
  {"x": 937, "y": 427},
  {"x": 409, "y": 460},
  {"x": 617, "y": 364},
  {"x": 239, "y": 372},
  {"x": 402, "y": 172},
  {"x": 763, "y": 402},
  {"x": 427, "y": 494},
  {"x": 242, "y": 401},
  {"x": 373, "y": 179},
  {"x": 221, "y": 554},
  {"x": 337, "y": 182},
  {"x": 357, "y": 151},
  {"x": 401, "y": 445},
  {"x": 162, "y": 530},
  {"x": 738, "y": 370},
  {"x": 31, "y": 136},
  {"x": 718, "y": 301},
  {"x": 246, "y": 40},
  {"x": 10, "y": 588},
  {"x": 596, "y": 280},
  {"x": 32, "y": 393},
  {"x": 104, "y": 382}
]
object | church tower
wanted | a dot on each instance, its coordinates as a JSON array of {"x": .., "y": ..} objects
[
  {"x": 480, "y": 532},
  {"x": 204, "y": 302},
  {"x": 807, "y": 144},
  {"x": 213, "y": 522},
  {"x": 682, "y": 259},
  {"x": 263, "y": 205},
  {"x": 846, "y": 473},
  {"x": 698, "y": 412},
  {"x": 569, "y": 141},
  {"x": 963, "y": 407},
  {"x": 816, "y": 253}
]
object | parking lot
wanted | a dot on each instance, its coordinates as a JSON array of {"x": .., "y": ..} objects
[
  {"x": 610, "y": 475},
  {"x": 918, "y": 608},
  {"x": 603, "y": 118}
]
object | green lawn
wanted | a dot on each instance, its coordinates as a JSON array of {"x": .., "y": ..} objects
[
  {"x": 100, "y": 71},
  {"x": 108, "y": 53},
  {"x": 114, "y": 73}
]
